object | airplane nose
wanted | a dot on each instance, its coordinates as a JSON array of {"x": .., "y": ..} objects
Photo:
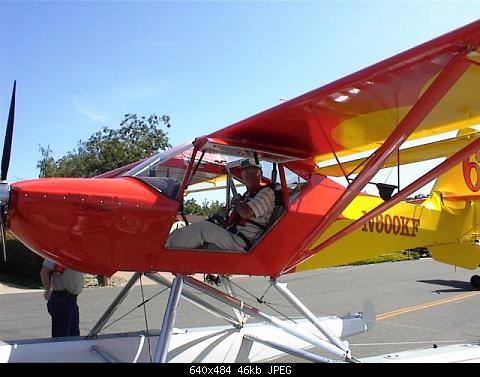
[
  {"x": 51, "y": 217},
  {"x": 95, "y": 225}
]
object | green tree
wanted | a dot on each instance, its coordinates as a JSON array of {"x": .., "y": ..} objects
[
  {"x": 47, "y": 164},
  {"x": 108, "y": 149},
  {"x": 214, "y": 207},
  {"x": 191, "y": 206}
]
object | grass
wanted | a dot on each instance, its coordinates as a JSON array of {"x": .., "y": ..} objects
[{"x": 392, "y": 257}]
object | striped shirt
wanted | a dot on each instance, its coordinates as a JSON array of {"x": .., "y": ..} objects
[{"x": 262, "y": 205}]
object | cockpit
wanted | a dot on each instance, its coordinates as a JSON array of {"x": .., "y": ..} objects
[{"x": 184, "y": 171}]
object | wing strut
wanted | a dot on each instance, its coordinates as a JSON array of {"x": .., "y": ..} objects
[
  {"x": 187, "y": 177},
  {"x": 420, "y": 110}
]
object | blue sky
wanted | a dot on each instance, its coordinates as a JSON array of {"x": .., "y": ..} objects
[{"x": 81, "y": 66}]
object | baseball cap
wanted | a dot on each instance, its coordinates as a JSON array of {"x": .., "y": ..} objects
[{"x": 246, "y": 163}]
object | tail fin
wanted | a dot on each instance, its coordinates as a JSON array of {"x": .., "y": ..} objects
[{"x": 464, "y": 178}]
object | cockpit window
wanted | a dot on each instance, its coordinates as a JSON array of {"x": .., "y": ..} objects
[
  {"x": 166, "y": 170},
  {"x": 150, "y": 166}
]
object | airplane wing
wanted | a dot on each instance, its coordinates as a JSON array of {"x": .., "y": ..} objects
[
  {"x": 438, "y": 149},
  {"x": 357, "y": 113},
  {"x": 425, "y": 91}
]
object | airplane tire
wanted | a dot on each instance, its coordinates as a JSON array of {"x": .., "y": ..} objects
[{"x": 475, "y": 281}]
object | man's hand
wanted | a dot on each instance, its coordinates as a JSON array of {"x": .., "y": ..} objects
[
  {"x": 45, "y": 277},
  {"x": 236, "y": 199},
  {"x": 242, "y": 208}
]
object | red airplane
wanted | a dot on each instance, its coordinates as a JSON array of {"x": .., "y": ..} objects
[
  {"x": 119, "y": 221},
  {"x": 104, "y": 225}
]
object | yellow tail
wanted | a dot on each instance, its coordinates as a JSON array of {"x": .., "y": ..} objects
[{"x": 464, "y": 178}]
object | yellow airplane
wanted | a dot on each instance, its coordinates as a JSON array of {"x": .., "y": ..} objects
[{"x": 446, "y": 222}]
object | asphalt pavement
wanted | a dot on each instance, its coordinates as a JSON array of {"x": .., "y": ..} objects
[{"x": 418, "y": 303}]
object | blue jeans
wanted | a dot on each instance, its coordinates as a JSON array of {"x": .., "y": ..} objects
[{"x": 65, "y": 315}]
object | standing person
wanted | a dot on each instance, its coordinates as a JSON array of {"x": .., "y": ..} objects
[
  {"x": 252, "y": 213},
  {"x": 62, "y": 286}
]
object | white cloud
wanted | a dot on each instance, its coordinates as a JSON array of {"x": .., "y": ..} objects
[{"x": 93, "y": 116}]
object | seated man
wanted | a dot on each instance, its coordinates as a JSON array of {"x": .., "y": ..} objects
[{"x": 251, "y": 212}]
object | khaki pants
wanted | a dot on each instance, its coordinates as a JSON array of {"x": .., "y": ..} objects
[{"x": 195, "y": 235}]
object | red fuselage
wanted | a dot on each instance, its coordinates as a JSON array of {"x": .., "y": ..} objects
[{"x": 105, "y": 225}]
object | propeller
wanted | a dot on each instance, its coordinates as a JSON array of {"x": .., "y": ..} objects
[
  {"x": 4, "y": 187},
  {"x": 7, "y": 144}
]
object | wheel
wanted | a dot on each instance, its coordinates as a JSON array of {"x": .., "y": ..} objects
[
  {"x": 475, "y": 281},
  {"x": 212, "y": 279}
]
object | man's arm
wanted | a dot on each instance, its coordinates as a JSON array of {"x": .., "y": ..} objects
[
  {"x": 244, "y": 210},
  {"x": 264, "y": 201},
  {"x": 45, "y": 277}
]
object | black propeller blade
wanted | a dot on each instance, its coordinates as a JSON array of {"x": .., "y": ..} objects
[
  {"x": 4, "y": 188},
  {"x": 7, "y": 144}
]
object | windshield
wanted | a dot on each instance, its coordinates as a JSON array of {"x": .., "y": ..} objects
[
  {"x": 166, "y": 170},
  {"x": 150, "y": 164}
]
